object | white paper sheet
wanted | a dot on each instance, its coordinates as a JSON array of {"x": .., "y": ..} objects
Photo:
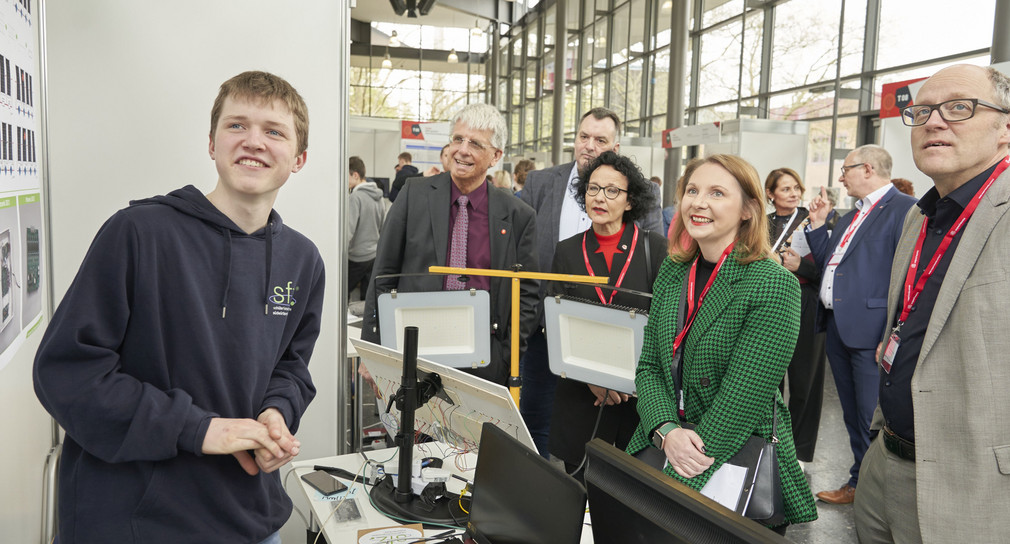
[
  {"x": 724, "y": 486},
  {"x": 798, "y": 242}
]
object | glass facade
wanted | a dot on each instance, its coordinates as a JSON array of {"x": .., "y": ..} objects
[
  {"x": 776, "y": 59},
  {"x": 820, "y": 61}
]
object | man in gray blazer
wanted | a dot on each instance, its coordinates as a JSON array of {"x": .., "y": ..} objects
[
  {"x": 939, "y": 469},
  {"x": 500, "y": 234}
]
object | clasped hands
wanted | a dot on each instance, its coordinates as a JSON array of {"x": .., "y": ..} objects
[
  {"x": 685, "y": 451},
  {"x": 268, "y": 437}
]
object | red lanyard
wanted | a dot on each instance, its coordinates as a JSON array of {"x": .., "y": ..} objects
[
  {"x": 913, "y": 288},
  {"x": 691, "y": 310},
  {"x": 627, "y": 262},
  {"x": 856, "y": 221}
]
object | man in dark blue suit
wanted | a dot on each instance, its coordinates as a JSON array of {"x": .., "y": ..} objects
[{"x": 856, "y": 261}]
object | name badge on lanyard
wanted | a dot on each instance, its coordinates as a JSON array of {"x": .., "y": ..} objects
[
  {"x": 887, "y": 361},
  {"x": 912, "y": 288}
]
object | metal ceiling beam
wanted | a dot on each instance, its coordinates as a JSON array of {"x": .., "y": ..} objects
[
  {"x": 496, "y": 10},
  {"x": 411, "y": 53}
]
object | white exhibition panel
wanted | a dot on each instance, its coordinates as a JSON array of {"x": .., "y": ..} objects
[{"x": 765, "y": 143}]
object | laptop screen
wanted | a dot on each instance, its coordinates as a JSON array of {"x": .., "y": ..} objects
[{"x": 519, "y": 497}]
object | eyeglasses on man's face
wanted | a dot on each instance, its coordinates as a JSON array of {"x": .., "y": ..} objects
[
  {"x": 845, "y": 169},
  {"x": 958, "y": 109},
  {"x": 458, "y": 141},
  {"x": 610, "y": 191}
]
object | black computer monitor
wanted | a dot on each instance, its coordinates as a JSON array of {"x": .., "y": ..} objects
[
  {"x": 631, "y": 502},
  {"x": 520, "y": 498}
]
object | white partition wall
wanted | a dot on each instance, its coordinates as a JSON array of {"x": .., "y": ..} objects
[
  {"x": 765, "y": 143},
  {"x": 130, "y": 87},
  {"x": 27, "y": 426}
]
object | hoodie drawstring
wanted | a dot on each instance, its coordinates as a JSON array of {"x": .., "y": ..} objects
[
  {"x": 227, "y": 270},
  {"x": 270, "y": 241}
]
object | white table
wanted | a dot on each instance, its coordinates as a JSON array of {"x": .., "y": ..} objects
[{"x": 462, "y": 464}]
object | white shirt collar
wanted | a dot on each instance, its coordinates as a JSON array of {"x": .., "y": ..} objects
[{"x": 872, "y": 198}]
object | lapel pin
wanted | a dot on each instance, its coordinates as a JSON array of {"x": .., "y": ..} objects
[{"x": 503, "y": 231}]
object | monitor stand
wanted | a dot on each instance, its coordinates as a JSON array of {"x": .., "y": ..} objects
[
  {"x": 443, "y": 511},
  {"x": 399, "y": 499}
]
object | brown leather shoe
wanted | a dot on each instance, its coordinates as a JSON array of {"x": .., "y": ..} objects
[{"x": 844, "y": 495}]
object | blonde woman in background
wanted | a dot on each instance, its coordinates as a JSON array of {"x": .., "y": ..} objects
[{"x": 502, "y": 179}]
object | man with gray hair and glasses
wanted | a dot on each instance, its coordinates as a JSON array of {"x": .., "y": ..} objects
[
  {"x": 855, "y": 258},
  {"x": 458, "y": 219},
  {"x": 939, "y": 468}
]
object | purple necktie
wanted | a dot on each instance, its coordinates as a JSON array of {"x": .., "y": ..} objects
[{"x": 457, "y": 249}]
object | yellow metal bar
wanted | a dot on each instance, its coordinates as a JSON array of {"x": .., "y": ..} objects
[
  {"x": 514, "y": 324},
  {"x": 521, "y": 275},
  {"x": 515, "y": 338}
]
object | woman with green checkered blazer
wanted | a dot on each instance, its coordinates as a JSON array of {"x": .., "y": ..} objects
[{"x": 741, "y": 319}]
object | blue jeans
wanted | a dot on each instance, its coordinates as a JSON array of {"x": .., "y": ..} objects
[{"x": 536, "y": 403}]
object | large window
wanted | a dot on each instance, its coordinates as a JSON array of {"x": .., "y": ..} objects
[
  {"x": 805, "y": 46},
  {"x": 931, "y": 29},
  {"x": 800, "y": 60}
]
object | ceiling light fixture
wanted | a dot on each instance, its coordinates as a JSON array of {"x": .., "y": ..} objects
[
  {"x": 452, "y": 59},
  {"x": 394, "y": 40},
  {"x": 476, "y": 31},
  {"x": 386, "y": 62},
  {"x": 667, "y": 5}
]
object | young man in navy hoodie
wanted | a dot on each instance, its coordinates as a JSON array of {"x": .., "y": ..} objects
[{"x": 177, "y": 361}]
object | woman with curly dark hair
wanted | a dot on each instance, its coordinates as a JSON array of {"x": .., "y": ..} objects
[{"x": 614, "y": 193}]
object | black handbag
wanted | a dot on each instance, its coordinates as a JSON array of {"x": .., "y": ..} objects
[
  {"x": 766, "y": 504},
  {"x": 761, "y": 496}
]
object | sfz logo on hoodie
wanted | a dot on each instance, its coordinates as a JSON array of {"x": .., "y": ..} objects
[{"x": 283, "y": 299}]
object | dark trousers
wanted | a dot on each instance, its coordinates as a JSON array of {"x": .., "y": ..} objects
[
  {"x": 806, "y": 378},
  {"x": 358, "y": 274},
  {"x": 858, "y": 382},
  {"x": 536, "y": 401}
]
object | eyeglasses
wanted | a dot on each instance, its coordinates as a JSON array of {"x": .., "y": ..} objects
[
  {"x": 850, "y": 167},
  {"x": 474, "y": 144},
  {"x": 610, "y": 191},
  {"x": 959, "y": 109}
]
